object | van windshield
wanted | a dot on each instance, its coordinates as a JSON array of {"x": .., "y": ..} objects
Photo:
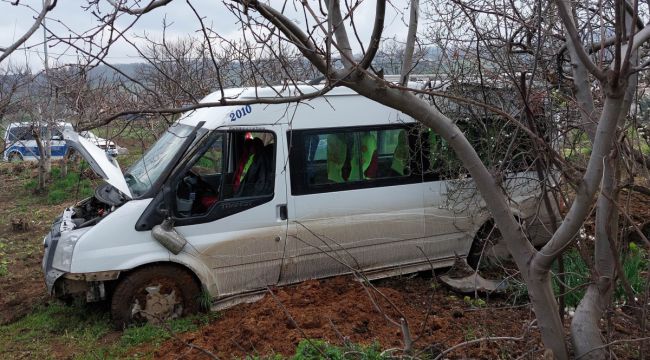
[{"x": 146, "y": 171}]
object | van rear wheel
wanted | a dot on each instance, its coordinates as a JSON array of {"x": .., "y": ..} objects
[
  {"x": 487, "y": 248},
  {"x": 154, "y": 294}
]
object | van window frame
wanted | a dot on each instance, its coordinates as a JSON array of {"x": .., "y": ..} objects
[
  {"x": 222, "y": 208},
  {"x": 297, "y": 160}
]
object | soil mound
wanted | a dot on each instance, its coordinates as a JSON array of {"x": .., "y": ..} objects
[{"x": 342, "y": 310}]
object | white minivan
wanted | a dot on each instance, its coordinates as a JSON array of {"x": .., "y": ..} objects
[{"x": 233, "y": 199}]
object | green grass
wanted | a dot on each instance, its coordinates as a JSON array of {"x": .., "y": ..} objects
[
  {"x": 54, "y": 323},
  {"x": 634, "y": 266},
  {"x": 4, "y": 261},
  {"x": 62, "y": 189},
  {"x": 320, "y": 349},
  {"x": 634, "y": 263},
  {"x": 154, "y": 334},
  {"x": 80, "y": 329},
  {"x": 576, "y": 276}
]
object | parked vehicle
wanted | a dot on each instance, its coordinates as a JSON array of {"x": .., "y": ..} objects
[
  {"x": 20, "y": 143},
  {"x": 230, "y": 200},
  {"x": 108, "y": 146}
]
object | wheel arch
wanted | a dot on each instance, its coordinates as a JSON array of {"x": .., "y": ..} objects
[
  {"x": 183, "y": 267},
  {"x": 489, "y": 221},
  {"x": 13, "y": 150},
  {"x": 485, "y": 226}
]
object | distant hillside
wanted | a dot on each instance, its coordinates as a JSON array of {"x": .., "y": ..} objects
[{"x": 113, "y": 72}]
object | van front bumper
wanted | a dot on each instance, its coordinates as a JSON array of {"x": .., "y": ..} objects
[{"x": 61, "y": 283}]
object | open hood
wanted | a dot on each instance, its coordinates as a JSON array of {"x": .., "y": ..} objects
[{"x": 102, "y": 163}]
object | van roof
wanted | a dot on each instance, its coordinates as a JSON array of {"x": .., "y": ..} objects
[
  {"x": 341, "y": 106},
  {"x": 28, "y": 123}
]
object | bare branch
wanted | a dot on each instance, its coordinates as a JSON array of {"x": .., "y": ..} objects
[
  {"x": 564, "y": 7},
  {"x": 410, "y": 42},
  {"x": 375, "y": 38},
  {"x": 138, "y": 11},
  {"x": 48, "y": 5}
]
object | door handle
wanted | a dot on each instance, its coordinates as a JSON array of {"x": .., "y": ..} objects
[{"x": 282, "y": 211}]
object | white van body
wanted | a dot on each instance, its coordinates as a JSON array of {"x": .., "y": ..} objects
[{"x": 382, "y": 227}]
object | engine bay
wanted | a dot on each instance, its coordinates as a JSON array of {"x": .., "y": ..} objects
[{"x": 92, "y": 210}]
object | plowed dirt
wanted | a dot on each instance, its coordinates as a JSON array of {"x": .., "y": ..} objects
[{"x": 342, "y": 309}]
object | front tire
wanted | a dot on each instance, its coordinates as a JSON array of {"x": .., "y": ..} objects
[{"x": 154, "y": 294}]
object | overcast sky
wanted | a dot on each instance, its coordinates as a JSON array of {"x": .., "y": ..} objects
[{"x": 15, "y": 20}]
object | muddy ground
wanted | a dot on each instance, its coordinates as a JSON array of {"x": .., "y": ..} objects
[
  {"x": 24, "y": 221},
  {"x": 342, "y": 310},
  {"x": 339, "y": 310}
]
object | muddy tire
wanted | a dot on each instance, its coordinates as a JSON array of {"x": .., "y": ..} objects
[
  {"x": 481, "y": 253},
  {"x": 154, "y": 294}
]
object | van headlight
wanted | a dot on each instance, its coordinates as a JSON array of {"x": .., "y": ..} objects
[{"x": 63, "y": 254}]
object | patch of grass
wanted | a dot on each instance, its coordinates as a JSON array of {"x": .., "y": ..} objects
[
  {"x": 576, "y": 275},
  {"x": 4, "y": 262},
  {"x": 320, "y": 349},
  {"x": 633, "y": 262},
  {"x": 31, "y": 184},
  {"x": 69, "y": 187},
  {"x": 66, "y": 325},
  {"x": 79, "y": 329},
  {"x": 62, "y": 189},
  {"x": 474, "y": 302},
  {"x": 4, "y": 269},
  {"x": 634, "y": 265},
  {"x": 156, "y": 334}
]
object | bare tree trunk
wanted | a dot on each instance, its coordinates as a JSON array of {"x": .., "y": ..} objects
[
  {"x": 585, "y": 329},
  {"x": 539, "y": 281},
  {"x": 407, "y": 64},
  {"x": 64, "y": 163},
  {"x": 43, "y": 174},
  {"x": 48, "y": 150}
]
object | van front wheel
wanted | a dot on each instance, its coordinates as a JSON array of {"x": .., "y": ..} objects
[{"x": 154, "y": 294}]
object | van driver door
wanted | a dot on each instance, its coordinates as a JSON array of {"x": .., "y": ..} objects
[{"x": 230, "y": 206}]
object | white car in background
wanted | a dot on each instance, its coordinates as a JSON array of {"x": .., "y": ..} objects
[{"x": 107, "y": 145}]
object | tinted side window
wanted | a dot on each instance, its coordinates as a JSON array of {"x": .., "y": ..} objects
[{"x": 328, "y": 160}]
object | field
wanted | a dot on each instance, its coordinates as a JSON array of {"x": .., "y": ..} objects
[{"x": 333, "y": 318}]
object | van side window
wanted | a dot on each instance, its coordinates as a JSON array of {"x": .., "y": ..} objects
[
  {"x": 230, "y": 165},
  {"x": 339, "y": 159}
]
